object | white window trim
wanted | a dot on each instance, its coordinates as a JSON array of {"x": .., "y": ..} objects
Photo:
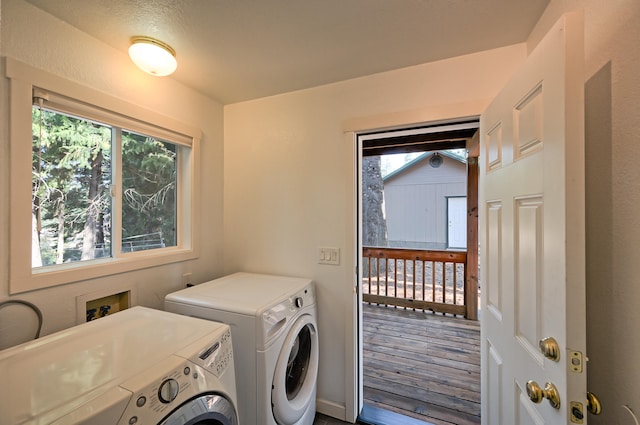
[{"x": 22, "y": 80}]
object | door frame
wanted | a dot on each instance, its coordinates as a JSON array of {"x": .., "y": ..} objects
[{"x": 354, "y": 352}]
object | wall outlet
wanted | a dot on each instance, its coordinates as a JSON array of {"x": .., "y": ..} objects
[{"x": 186, "y": 279}]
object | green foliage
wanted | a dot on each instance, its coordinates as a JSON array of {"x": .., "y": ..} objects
[
  {"x": 65, "y": 150},
  {"x": 149, "y": 187},
  {"x": 72, "y": 169}
]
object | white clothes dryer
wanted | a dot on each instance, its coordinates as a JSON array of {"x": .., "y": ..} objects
[
  {"x": 275, "y": 339},
  {"x": 136, "y": 367}
]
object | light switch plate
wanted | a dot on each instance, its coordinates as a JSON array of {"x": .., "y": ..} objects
[{"x": 329, "y": 255}]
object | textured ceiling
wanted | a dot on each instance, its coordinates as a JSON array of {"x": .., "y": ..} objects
[{"x": 235, "y": 50}]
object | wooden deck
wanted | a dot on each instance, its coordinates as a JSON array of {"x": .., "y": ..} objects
[{"x": 422, "y": 365}]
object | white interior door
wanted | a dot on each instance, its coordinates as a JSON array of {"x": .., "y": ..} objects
[{"x": 532, "y": 236}]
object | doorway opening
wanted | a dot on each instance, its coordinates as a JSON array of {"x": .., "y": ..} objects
[{"x": 418, "y": 267}]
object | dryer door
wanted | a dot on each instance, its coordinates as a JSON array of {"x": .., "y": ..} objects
[
  {"x": 296, "y": 372},
  {"x": 208, "y": 409}
]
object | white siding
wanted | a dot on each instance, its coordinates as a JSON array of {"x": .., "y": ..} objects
[{"x": 416, "y": 203}]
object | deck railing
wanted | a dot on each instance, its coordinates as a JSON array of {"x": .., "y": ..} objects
[{"x": 417, "y": 279}]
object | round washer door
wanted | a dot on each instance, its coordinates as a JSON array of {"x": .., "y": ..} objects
[
  {"x": 296, "y": 372},
  {"x": 207, "y": 409}
]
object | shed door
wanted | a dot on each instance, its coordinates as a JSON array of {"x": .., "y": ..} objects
[
  {"x": 533, "y": 238},
  {"x": 457, "y": 222}
]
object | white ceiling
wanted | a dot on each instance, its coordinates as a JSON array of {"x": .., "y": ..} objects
[{"x": 235, "y": 50}]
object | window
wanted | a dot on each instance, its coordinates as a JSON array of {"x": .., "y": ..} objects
[
  {"x": 73, "y": 176},
  {"x": 112, "y": 185}
]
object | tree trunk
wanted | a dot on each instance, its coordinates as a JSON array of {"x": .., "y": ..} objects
[
  {"x": 89, "y": 234},
  {"x": 36, "y": 257},
  {"x": 374, "y": 225},
  {"x": 60, "y": 248}
]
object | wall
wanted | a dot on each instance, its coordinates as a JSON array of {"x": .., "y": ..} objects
[
  {"x": 290, "y": 173},
  {"x": 612, "y": 115},
  {"x": 42, "y": 41}
]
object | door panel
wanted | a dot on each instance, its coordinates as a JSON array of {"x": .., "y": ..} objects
[
  {"x": 492, "y": 386},
  {"x": 527, "y": 282},
  {"x": 492, "y": 292},
  {"x": 532, "y": 232}
]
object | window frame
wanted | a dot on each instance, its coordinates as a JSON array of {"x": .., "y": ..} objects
[{"x": 92, "y": 104}]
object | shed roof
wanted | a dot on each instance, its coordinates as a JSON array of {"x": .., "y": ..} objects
[{"x": 423, "y": 157}]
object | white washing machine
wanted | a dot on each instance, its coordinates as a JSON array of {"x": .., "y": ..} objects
[
  {"x": 136, "y": 367},
  {"x": 275, "y": 339}
]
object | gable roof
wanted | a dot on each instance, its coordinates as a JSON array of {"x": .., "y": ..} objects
[{"x": 423, "y": 157}]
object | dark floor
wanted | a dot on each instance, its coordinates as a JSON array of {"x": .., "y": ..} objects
[
  {"x": 372, "y": 415},
  {"x": 326, "y": 420}
]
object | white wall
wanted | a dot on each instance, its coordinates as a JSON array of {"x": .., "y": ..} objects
[
  {"x": 289, "y": 181},
  {"x": 42, "y": 41},
  {"x": 612, "y": 90}
]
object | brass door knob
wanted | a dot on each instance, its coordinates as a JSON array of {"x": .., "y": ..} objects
[
  {"x": 536, "y": 393},
  {"x": 593, "y": 404},
  {"x": 550, "y": 348}
]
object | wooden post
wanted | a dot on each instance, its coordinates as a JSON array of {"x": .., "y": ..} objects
[{"x": 471, "y": 283}]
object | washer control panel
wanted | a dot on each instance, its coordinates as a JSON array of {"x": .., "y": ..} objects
[
  {"x": 166, "y": 385},
  {"x": 302, "y": 298},
  {"x": 216, "y": 357},
  {"x": 274, "y": 319},
  {"x": 172, "y": 381}
]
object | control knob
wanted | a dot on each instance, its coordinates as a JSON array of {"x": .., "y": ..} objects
[
  {"x": 299, "y": 302},
  {"x": 168, "y": 391}
]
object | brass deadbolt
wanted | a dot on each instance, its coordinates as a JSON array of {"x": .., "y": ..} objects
[
  {"x": 593, "y": 404},
  {"x": 550, "y": 348}
]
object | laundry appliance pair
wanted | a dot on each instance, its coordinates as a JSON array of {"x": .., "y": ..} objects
[{"x": 275, "y": 340}]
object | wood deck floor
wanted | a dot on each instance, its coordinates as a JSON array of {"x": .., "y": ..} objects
[{"x": 422, "y": 365}]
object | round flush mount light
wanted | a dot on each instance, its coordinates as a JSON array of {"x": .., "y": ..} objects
[
  {"x": 153, "y": 56},
  {"x": 436, "y": 160}
]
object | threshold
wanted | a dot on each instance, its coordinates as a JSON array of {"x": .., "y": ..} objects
[{"x": 371, "y": 415}]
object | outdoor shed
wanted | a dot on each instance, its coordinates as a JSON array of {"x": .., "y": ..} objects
[{"x": 425, "y": 202}]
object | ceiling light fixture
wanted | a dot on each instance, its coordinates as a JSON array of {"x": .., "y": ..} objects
[{"x": 153, "y": 56}]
